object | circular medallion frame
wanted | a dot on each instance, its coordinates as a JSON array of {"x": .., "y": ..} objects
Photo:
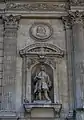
[{"x": 41, "y": 31}]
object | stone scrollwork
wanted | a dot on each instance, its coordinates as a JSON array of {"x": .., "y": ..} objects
[
  {"x": 42, "y": 48},
  {"x": 41, "y": 31},
  {"x": 41, "y": 53}
]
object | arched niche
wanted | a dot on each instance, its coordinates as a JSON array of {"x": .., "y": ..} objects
[
  {"x": 35, "y": 71},
  {"x": 34, "y": 55}
]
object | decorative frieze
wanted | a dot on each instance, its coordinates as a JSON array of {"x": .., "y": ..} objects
[{"x": 36, "y": 6}]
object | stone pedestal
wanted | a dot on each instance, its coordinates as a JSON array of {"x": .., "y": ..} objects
[{"x": 56, "y": 107}]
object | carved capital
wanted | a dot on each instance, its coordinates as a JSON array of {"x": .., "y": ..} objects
[
  {"x": 76, "y": 17},
  {"x": 66, "y": 22},
  {"x": 11, "y": 21},
  {"x": 76, "y": 2}
]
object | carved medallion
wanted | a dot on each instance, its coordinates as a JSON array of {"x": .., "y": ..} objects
[{"x": 40, "y": 31}]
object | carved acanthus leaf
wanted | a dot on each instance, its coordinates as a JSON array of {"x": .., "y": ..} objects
[
  {"x": 76, "y": 17},
  {"x": 76, "y": 2},
  {"x": 66, "y": 22},
  {"x": 11, "y": 20}
]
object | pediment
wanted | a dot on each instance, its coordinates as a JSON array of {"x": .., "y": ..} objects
[{"x": 42, "y": 49}]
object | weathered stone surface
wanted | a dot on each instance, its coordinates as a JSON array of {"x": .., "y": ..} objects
[{"x": 50, "y": 33}]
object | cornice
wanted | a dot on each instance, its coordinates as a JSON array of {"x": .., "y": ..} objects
[{"x": 37, "y": 9}]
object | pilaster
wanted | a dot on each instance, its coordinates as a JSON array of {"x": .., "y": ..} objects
[
  {"x": 68, "y": 38},
  {"x": 78, "y": 56},
  {"x": 1, "y": 59},
  {"x": 9, "y": 66}
]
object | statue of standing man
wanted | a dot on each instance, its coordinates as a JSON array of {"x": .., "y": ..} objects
[{"x": 42, "y": 85}]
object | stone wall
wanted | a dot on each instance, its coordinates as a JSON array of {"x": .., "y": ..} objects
[{"x": 65, "y": 22}]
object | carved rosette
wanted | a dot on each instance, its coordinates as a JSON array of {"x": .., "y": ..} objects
[{"x": 76, "y": 17}]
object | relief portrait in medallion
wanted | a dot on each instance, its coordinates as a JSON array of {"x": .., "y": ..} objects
[{"x": 40, "y": 31}]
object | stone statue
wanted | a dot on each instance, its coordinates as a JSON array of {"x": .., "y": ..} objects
[{"x": 42, "y": 85}]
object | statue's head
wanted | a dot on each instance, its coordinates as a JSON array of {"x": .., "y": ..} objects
[{"x": 42, "y": 68}]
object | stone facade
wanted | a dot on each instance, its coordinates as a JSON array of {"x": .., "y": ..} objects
[{"x": 35, "y": 33}]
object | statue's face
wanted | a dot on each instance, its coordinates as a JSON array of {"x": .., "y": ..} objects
[{"x": 42, "y": 68}]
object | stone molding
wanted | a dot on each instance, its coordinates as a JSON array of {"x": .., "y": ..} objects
[
  {"x": 57, "y": 107},
  {"x": 36, "y": 6},
  {"x": 42, "y": 52},
  {"x": 28, "y": 49}
]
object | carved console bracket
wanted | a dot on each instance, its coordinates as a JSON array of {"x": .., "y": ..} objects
[{"x": 29, "y": 106}]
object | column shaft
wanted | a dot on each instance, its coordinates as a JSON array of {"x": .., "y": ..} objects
[
  {"x": 78, "y": 55},
  {"x": 9, "y": 66}
]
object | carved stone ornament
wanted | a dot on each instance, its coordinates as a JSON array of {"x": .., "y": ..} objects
[
  {"x": 76, "y": 17},
  {"x": 11, "y": 21},
  {"x": 66, "y": 22},
  {"x": 76, "y": 2},
  {"x": 40, "y": 31},
  {"x": 42, "y": 53},
  {"x": 42, "y": 49},
  {"x": 36, "y": 6}
]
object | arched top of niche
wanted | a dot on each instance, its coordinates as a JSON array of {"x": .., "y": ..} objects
[{"x": 43, "y": 49}]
